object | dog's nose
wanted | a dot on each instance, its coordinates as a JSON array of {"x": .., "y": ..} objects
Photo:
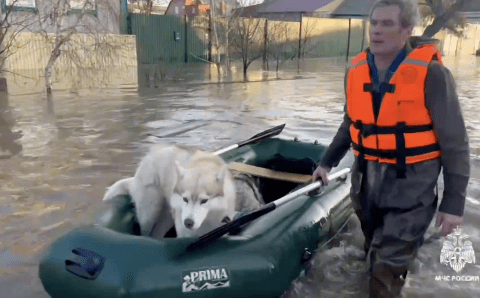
[{"x": 188, "y": 223}]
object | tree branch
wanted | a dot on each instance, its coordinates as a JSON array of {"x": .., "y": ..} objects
[{"x": 441, "y": 21}]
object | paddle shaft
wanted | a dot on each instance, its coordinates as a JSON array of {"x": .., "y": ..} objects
[
  {"x": 231, "y": 226},
  {"x": 309, "y": 188},
  {"x": 223, "y": 150}
]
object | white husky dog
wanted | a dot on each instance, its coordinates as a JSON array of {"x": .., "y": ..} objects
[
  {"x": 185, "y": 187},
  {"x": 204, "y": 196}
]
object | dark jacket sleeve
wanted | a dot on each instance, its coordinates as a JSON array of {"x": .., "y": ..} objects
[
  {"x": 444, "y": 106},
  {"x": 341, "y": 142}
]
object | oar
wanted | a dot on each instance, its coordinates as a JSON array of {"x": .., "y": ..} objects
[
  {"x": 260, "y": 136},
  {"x": 233, "y": 225}
]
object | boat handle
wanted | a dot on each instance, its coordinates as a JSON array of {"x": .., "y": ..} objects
[{"x": 85, "y": 263}]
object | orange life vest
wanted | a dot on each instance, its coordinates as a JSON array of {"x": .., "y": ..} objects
[{"x": 403, "y": 132}]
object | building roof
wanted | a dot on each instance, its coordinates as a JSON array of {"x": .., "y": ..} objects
[
  {"x": 471, "y": 6},
  {"x": 247, "y": 11},
  {"x": 282, "y": 6},
  {"x": 204, "y": 7},
  {"x": 347, "y": 9},
  {"x": 292, "y": 6},
  {"x": 471, "y": 11},
  {"x": 361, "y": 9}
]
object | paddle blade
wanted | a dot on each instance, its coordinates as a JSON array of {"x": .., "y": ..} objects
[
  {"x": 260, "y": 136},
  {"x": 263, "y": 135}
]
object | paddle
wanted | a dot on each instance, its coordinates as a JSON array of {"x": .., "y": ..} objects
[
  {"x": 260, "y": 136},
  {"x": 204, "y": 240}
]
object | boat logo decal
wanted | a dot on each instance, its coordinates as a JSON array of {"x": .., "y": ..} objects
[{"x": 205, "y": 279}]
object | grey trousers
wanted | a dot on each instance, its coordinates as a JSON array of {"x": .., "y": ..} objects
[{"x": 394, "y": 215}]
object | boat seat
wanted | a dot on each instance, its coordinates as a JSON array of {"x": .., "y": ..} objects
[{"x": 268, "y": 173}]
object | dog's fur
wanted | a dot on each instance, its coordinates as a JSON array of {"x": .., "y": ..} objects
[
  {"x": 204, "y": 195},
  {"x": 184, "y": 186}
]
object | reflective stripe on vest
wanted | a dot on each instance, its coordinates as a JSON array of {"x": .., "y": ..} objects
[{"x": 403, "y": 133}]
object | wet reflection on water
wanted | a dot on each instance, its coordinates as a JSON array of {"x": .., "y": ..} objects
[{"x": 58, "y": 155}]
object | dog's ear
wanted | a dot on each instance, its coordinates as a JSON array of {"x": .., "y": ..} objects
[
  {"x": 180, "y": 170},
  {"x": 222, "y": 173}
]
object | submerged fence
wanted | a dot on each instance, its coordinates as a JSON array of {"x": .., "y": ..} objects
[
  {"x": 102, "y": 60},
  {"x": 451, "y": 45},
  {"x": 172, "y": 39}
]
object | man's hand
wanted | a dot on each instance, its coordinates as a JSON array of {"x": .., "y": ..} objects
[
  {"x": 448, "y": 222},
  {"x": 321, "y": 173}
]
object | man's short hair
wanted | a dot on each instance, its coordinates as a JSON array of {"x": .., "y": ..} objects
[{"x": 409, "y": 13}]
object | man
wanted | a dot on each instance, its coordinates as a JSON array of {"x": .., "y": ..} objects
[{"x": 403, "y": 120}]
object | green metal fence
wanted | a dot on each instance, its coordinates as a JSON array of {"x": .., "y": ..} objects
[{"x": 169, "y": 39}]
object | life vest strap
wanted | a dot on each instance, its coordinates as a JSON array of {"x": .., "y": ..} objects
[
  {"x": 392, "y": 154},
  {"x": 371, "y": 129},
  {"x": 361, "y": 151},
  {"x": 401, "y": 150},
  {"x": 382, "y": 89}
]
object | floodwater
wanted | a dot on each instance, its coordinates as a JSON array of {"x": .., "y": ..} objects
[{"x": 57, "y": 157}]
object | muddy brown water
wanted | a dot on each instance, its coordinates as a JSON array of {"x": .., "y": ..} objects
[{"x": 58, "y": 156}]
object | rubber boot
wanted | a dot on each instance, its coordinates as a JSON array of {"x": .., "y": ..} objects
[{"x": 383, "y": 284}]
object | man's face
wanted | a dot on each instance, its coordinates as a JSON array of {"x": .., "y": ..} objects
[{"x": 387, "y": 35}]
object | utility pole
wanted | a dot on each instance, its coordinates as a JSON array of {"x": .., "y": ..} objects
[
  {"x": 210, "y": 34},
  {"x": 348, "y": 42},
  {"x": 265, "y": 39},
  {"x": 186, "y": 39},
  {"x": 299, "y": 42}
]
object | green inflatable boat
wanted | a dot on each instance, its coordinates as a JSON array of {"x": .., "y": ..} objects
[{"x": 258, "y": 258}]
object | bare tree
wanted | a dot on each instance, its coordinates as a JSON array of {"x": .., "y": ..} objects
[
  {"x": 213, "y": 36},
  {"x": 284, "y": 41},
  {"x": 307, "y": 44},
  {"x": 143, "y": 6},
  {"x": 281, "y": 43},
  {"x": 233, "y": 36},
  {"x": 247, "y": 41},
  {"x": 147, "y": 6},
  {"x": 222, "y": 24},
  {"x": 74, "y": 32},
  {"x": 440, "y": 14},
  {"x": 12, "y": 23}
]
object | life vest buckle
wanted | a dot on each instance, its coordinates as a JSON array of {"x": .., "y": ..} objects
[
  {"x": 366, "y": 130},
  {"x": 386, "y": 88}
]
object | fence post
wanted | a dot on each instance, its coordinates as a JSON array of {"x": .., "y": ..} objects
[
  {"x": 124, "y": 17},
  {"x": 265, "y": 39},
  {"x": 299, "y": 42},
  {"x": 475, "y": 39},
  {"x": 363, "y": 34},
  {"x": 210, "y": 35},
  {"x": 186, "y": 39},
  {"x": 348, "y": 42}
]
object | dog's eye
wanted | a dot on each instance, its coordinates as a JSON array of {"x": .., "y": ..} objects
[
  {"x": 203, "y": 201},
  {"x": 185, "y": 200}
]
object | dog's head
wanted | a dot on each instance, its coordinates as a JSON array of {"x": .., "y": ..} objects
[{"x": 204, "y": 194}]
